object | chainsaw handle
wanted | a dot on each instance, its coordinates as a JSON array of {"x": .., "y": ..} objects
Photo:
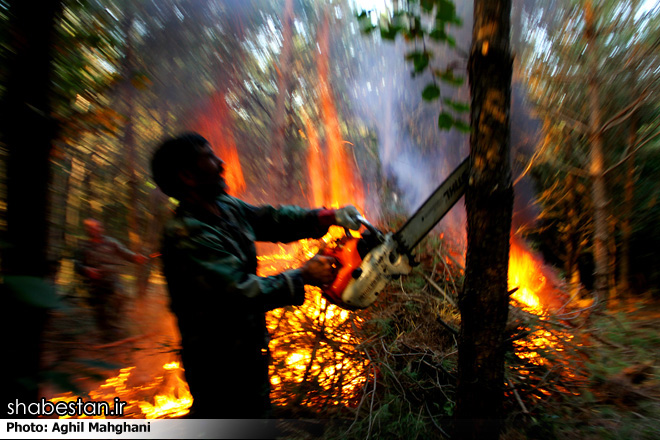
[{"x": 371, "y": 228}]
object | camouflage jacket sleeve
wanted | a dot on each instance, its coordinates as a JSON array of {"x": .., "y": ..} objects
[
  {"x": 200, "y": 260},
  {"x": 282, "y": 224}
]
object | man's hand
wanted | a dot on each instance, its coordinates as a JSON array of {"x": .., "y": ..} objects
[
  {"x": 348, "y": 217},
  {"x": 319, "y": 270}
]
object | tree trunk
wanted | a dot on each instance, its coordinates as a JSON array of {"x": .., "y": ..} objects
[
  {"x": 572, "y": 238},
  {"x": 279, "y": 165},
  {"x": 129, "y": 143},
  {"x": 484, "y": 302},
  {"x": 28, "y": 132},
  {"x": 628, "y": 206},
  {"x": 597, "y": 163},
  {"x": 60, "y": 189}
]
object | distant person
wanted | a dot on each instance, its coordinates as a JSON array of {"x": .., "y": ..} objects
[
  {"x": 99, "y": 261},
  {"x": 210, "y": 262}
]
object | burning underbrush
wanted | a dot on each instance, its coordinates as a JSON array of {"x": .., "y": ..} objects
[
  {"x": 142, "y": 369},
  {"x": 410, "y": 340}
]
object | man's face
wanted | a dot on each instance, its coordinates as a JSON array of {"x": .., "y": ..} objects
[{"x": 207, "y": 176}]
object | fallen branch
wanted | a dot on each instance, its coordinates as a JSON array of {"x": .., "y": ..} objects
[
  {"x": 515, "y": 393},
  {"x": 439, "y": 289}
]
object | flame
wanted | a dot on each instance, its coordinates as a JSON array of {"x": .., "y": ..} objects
[
  {"x": 525, "y": 274},
  {"x": 169, "y": 392},
  {"x": 315, "y": 342},
  {"x": 341, "y": 182},
  {"x": 298, "y": 347},
  {"x": 215, "y": 124},
  {"x": 314, "y": 163}
]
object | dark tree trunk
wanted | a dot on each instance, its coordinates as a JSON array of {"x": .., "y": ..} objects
[
  {"x": 28, "y": 132},
  {"x": 484, "y": 301},
  {"x": 628, "y": 206}
]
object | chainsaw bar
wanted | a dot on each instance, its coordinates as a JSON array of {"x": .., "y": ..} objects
[{"x": 433, "y": 209}]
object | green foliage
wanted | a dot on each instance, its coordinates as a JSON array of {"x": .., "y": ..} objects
[
  {"x": 431, "y": 92},
  {"x": 407, "y": 22}
]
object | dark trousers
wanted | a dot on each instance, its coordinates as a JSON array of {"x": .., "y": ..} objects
[
  {"x": 107, "y": 306},
  {"x": 226, "y": 384}
]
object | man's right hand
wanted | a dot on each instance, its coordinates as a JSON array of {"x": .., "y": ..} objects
[{"x": 319, "y": 270}]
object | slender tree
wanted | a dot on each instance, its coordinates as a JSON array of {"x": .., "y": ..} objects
[{"x": 484, "y": 301}]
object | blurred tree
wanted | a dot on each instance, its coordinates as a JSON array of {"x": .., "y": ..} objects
[
  {"x": 28, "y": 131},
  {"x": 588, "y": 53}
]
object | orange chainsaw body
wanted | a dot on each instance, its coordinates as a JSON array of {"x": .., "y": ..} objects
[{"x": 348, "y": 260}]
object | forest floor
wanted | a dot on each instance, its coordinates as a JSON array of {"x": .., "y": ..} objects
[
  {"x": 79, "y": 361},
  {"x": 618, "y": 398},
  {"x": 621, "y": 396}
]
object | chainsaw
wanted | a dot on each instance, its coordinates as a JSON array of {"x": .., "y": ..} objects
[{"x": 365, "y": 264}]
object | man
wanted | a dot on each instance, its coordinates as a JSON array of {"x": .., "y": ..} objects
[
  {"x": 210, "y": 263},
  {"x": 99, "y": 262}
]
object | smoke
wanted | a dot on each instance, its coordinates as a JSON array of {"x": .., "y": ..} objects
[{"x": 415, "y": 156}]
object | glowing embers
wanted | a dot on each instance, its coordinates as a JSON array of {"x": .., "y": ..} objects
[
  {"x": 315, "y": 361},
  {"x": 165, "y": 396}
]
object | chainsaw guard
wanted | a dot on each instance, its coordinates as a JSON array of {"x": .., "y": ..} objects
[{"x": 375, "y": 271}]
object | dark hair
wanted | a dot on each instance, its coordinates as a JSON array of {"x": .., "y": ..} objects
[{"x": 171, "y": 157}]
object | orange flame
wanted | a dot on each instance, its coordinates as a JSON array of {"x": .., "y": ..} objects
[
  {"x": 525, "y": 274},
  {"x": 345, "y": 186},
  {"x": 215, "y": 124},
  {"x": 169, "y": 392}
]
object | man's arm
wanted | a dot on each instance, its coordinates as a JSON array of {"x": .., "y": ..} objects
[
  {"x": 291, "y": 223},
  {"x": 124, "y": 253},
  {"x": 197, "y": 261}
]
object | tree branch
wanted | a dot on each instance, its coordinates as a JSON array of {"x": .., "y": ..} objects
[
  {"x": 625, "y": 113},
  {"x": 637, "y": 148}
]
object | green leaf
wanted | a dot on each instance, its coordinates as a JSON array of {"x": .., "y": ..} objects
[
  {"x": 446, "y": 10},
  {"x": 448, "y": 77},
  {"x": 445, "y": 121},
  {"x": 457, "y": 106},
  {"x": 438, "y": 34},
  {"x": 421, "y": 61},
  {"x": 427, "y": 5},
  {"x": 367, "y": 28},
  {"x": 461, "y": 126},
  {"x": 389, "y": 33},
  {"x": 33, "y": 291},
  {"x": 431, "y": 92}
]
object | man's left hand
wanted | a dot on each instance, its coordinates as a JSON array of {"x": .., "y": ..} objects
[{"x": 348, "y": 217}]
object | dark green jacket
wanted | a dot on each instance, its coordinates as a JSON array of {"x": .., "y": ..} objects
[{"x": 210, "y": 264}]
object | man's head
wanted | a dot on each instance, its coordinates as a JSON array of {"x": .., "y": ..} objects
[
  {"x": 187, "y": 165},
  {"x": 94, "y": 228}
]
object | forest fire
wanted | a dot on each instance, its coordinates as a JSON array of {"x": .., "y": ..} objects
[
  {"x": 166, "y": 395},
  {"x": 524, "y": 274},
  {"x": 216, "y": 124},
  {"x": 314, "y": 343},
  {"x": 534, "y": 295}
]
